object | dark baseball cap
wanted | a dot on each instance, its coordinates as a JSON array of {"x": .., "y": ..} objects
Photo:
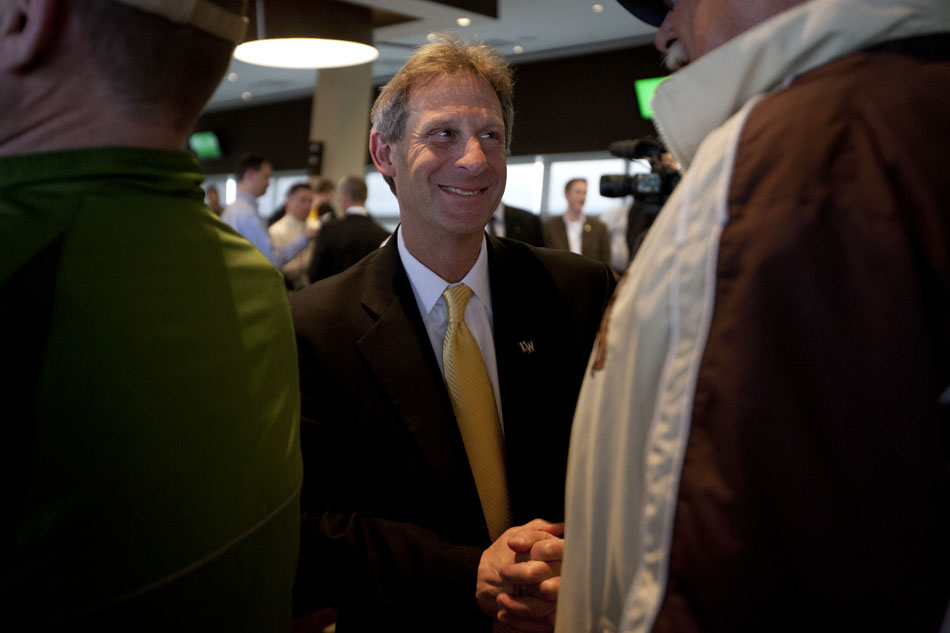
[{"x": 650, "y": 11}]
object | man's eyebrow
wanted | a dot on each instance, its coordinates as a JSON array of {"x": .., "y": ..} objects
[
  {"x": 453, "y": 121},
  {"x": 440, "y": 122}
]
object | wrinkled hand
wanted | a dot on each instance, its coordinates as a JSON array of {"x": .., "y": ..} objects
[{"x": 519, "y": 576}]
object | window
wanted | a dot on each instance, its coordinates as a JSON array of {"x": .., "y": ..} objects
[
  {"x": 563, "y": 170},
  {"x": 380, "y": 200},
  {"x": 535, "y": 183},
  {"x": 525, "y": 184}
]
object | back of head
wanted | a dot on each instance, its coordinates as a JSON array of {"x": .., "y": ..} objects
[
  {"x": 152, "y": 65},
  {"x": 354, "y": 188},
  {"x": 324, "y": 186},
  {"x": 446, "y": 55},
  {"x": 250, "y": 161}
]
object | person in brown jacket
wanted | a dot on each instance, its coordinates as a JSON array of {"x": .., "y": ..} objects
[{"x": 761, "y": 442}]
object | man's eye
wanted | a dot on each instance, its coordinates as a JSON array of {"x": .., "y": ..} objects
[{"x": 444, "y": 133}]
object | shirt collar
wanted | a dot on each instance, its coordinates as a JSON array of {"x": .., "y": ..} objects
[
  {"x": 247, "y": 198},
  {"x": 357, "y": 209},
  {"x": 294, "y": 222},
  {"x": 702, "y": 96},
  {"x": 428, "y": 286}
]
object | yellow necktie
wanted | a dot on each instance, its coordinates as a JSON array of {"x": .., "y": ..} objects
[{"x": 473, "y": 401}]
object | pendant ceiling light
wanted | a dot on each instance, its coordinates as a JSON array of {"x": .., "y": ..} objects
[{"x": 309, "y": 34}]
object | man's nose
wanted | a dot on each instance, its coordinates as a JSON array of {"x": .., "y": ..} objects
[
  {"x": 473, "y": 156},
  {"x": 664, "y": 35}
]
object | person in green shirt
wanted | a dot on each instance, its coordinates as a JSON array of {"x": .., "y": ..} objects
[{"x": 149, "y": 457}]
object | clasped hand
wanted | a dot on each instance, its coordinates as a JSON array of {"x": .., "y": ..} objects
[{"x": 519, "y": 576}]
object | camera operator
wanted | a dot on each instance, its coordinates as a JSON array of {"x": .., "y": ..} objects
[
  {"x": 761, "y": 438},
  {"x": 650, "y": 191}
]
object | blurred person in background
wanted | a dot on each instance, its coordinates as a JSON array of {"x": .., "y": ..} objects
[
  {"x": 253, "y": 176},
  {"x": 289, "y": 228},
  {"x": 516, "y": 224},
  {"x": 343, "y": 242},
  {"x": 573, "y": 231},
  {"x": 213, "y": 199}
]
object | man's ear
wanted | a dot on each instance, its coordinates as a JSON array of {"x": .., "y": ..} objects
[
  {"x": 382, "y": 155},
  {"x": 26, "y": 28}
]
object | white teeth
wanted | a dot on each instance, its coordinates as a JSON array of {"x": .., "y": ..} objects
[{"x": 461, "y": 192}]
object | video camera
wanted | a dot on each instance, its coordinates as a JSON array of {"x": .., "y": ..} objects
[{"x": 652, "y": 188}]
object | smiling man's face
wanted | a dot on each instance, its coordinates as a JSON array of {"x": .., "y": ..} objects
[{"x": 450, "y": 165}]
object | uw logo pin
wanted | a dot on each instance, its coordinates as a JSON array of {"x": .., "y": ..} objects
[{"x": 526, "y": 347}]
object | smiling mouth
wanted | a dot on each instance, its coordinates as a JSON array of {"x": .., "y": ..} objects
[{"x": 461, "y": 192}]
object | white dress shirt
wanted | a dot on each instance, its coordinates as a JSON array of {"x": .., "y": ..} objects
[
  {"x": 575, "y": 229},
  {"x": 428, "y": 288},
  {"x": 243, "y": 218},
  {"x": 357, "y": 209}
]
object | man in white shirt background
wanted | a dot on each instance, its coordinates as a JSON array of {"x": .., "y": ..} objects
[
  {"x": 253, "y": 175},
  {"x": 574, "y": 231}
]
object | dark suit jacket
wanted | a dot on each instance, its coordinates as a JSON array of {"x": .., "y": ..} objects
[
  {"x": 342, "y": 242},
  {"x": 523, "y": 225},
  {"x": 595, "y": 240},
  {"x": 393, "y": 529}
]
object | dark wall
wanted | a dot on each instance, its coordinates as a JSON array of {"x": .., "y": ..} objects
[
  {"x": 577, "y": 104},
  {"x": 581, "y": 104},
  {"x": 280, "y": 131}
]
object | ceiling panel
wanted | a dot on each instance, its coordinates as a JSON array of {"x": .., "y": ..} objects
[{"x": 524, "y": 30}]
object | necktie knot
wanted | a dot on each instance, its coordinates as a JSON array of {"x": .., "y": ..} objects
[{"x": 456, "y": 298}]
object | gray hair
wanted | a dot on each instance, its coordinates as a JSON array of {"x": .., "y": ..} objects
[
  {"x": 446, "y": 55},
  {"x": 354, "y": 187}
]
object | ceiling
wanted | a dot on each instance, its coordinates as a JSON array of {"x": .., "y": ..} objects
[{"x": 543, "y": 29}]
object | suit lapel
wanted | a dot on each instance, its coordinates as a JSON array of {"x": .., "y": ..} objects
[
  {"x": 587, "y": 239},
  {"x": 397, "y": 341},
  {"x": 527, "y": 361},
  {"x": 560, "y": 234}
]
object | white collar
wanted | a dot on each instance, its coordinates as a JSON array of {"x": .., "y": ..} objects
[
  {"x": 701, "y": 97},
  {"x": 357, "y": 209},
  {"x": 428, "y": 286},
  {"x": 247, "y": 197}
]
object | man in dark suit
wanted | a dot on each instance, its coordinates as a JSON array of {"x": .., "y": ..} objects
[
  {"x": 575, "y": 231},
  {"x": 341, "y": 243},
  {"x": 401, "y": 528},
  {"x": 516, "y": 224}
]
